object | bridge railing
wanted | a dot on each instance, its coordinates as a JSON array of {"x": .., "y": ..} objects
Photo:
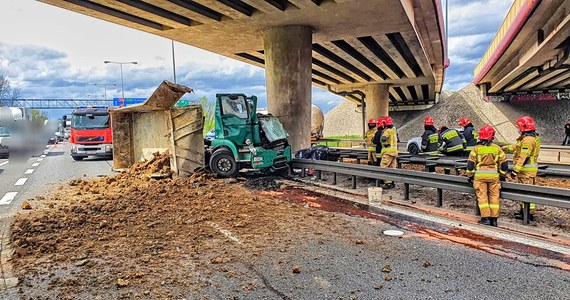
[
  {"x": 54, "y": 103},
  {"x": 501, "y": 33}
]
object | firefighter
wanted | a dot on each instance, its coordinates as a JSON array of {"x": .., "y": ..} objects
[
  {"x": 469, "y": 133},
  {"x": 369, "y": 136},
  {"x": 377, "y": 139},
  {"x": 430, "y": 138},
  {"x": 451, "y": 141},
  {"x": 389, "y": 151},
  {"x": 486, "y": 167},
  {"x": 525, "y": 158}
]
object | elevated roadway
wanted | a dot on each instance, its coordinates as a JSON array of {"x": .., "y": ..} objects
[
  {"x": 530, "y": 52},
  {"x": 380, "y": 52}
]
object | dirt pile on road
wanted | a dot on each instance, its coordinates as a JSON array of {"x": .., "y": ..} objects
[{"x": 131, "y": 236}]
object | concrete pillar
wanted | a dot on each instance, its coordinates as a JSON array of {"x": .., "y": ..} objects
[
  {"x": 377, "y": 101},
  {"x": 288, "y": 60}
]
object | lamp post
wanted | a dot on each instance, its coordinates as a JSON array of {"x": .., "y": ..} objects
[
  {"x": 121, "y": 64},
  {"x": 105, "y": 85}
]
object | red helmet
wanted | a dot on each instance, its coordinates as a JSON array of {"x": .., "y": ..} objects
[
  {"x": 526, "y": 124},
  {"x": 428, "y": 121},
  {"x": 464, "y": 121},
  {"x": 388, "y": 121},
  {"x": 372, "y": 121},
  {"x": 381, "y": 122},
  {"x": 487, "y": 133}
]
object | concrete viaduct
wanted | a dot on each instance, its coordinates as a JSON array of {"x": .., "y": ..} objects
[
  {"x": 385, "y": 53},
  {"x": 530, "y": 52}
]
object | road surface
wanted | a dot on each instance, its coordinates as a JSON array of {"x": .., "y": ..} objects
[{"x": 329, "y": 267}]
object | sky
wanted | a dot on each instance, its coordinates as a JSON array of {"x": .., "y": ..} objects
[{"x": 50, "y": 52}]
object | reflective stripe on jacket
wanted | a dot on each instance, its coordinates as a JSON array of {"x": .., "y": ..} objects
[
  {"x": 389, "y": 141},
  {"x": 487, "y": 162},
  {"x": 451, "y": 141},
  {"x": 525, "y": 156},
  {"x": 430, "y": 142}
]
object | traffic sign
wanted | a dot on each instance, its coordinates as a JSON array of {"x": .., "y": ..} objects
[{"x": 122, "y": 102}]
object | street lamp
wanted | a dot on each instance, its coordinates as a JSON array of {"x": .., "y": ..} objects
[
  {"x": 121, "y": 64},
  {"x": 105, "y": 85}
]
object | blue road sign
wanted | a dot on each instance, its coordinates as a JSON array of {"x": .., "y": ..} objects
[{"x": 122, "y": 102}]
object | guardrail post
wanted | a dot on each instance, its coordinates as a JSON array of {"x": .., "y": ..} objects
[
  {"x": 526, "y": 212},
  {"x": 447, "y": 171},
  {"x": 319, "y": 174},
  {"x": 353, "y": 181},
  {"x": 406, "y": 191},
  {"x": 439, "y": 198},
  {"x": 378, "y": 183},
  {"x": 303, "y": 172},
  {"x": 334, "y": 178},
  {"x": 358, "y": 161}
]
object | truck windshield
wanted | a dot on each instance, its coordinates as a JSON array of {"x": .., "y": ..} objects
[{"x": 90, "y": 121}]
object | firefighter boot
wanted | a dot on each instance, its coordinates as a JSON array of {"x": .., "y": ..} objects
[
  {"x": 493, "y": 222},
  {"x": 485, "y": 221}
]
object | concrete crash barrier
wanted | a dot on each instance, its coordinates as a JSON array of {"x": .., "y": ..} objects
[{"x": 154, "y": 126}]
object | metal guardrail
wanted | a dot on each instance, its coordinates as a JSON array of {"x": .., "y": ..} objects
[
  {"x": 54, "y": 103},
  {"x": 513, "y": 191}
]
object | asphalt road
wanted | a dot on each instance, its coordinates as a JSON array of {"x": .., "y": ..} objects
[
  {"x": 20, "y": 180},
  {"x": 421, "y": 267}
]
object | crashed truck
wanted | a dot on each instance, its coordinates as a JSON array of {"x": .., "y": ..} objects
[{"x": 244, "y": 139}]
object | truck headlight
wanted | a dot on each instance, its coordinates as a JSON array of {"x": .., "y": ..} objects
[
  {"x": 73, "y": 149},
  {"x": 258, "y": 158},
  {"x": 107, "y": 148}
]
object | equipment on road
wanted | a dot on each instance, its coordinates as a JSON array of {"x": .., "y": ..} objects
[
  {"x": 244, "y": 138},
  {"x": 317, "y": 122},
  {"x": 91, "y": 133}
]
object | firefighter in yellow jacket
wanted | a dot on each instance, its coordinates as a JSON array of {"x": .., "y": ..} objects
[
  {"x": 525, "y": 158},
  {"x": 368, "y": 138},
  {"x": 486, "y": 167},
  {"x": 389, "y": 151}
]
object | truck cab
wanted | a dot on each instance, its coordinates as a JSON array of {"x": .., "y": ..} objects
[
  {"x": 245, "y": 139},
  {"x": 90, "y": 132}
]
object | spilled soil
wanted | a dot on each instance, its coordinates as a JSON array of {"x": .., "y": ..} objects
[{"x": 133, "y": 236}]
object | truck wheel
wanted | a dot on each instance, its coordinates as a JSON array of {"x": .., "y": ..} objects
[
  {"x": 77, "y": 158},
  {"x": 413, "y": 149},
  {"x": 223, "y": 163}
]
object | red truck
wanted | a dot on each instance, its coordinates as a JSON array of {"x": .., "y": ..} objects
[{"x": 90, "y": 133}]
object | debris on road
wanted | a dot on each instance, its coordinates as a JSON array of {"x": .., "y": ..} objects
[
  {"x": 427, "y": 263},
  {"x": 263, "y": 184},
  {"x": 387, "y": 269},
  {"x": 26, "y": 205},
  {"x": 297, "y": 270}
]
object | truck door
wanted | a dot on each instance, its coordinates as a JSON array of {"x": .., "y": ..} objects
[{"x": 235, "y": 119}]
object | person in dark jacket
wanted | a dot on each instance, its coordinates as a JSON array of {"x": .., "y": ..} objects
[
  {"x": 451, "y": 141},
  {"x": 377, "y": 140},
  {"x": 469, "y": 133},
  {"x": 430, "y": 138},
  {"x": 567, "y": 131}
]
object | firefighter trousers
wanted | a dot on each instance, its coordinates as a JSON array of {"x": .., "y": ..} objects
[
  {"x": 525, "y": 179},
  {"x": 488, "y": 192},
  {"x": 371, "y": 156},
  {"x": 389, "y": 160}
]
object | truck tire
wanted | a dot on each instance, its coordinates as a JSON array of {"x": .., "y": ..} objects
[
  {"x": 77, "y": 158},
  {"x": 413, "y": 149},
  {"x": 223, "y": 163}
]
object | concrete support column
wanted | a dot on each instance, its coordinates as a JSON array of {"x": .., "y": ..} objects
[
  {"x": 288, "y": 61},
  {"x": 377, "y": 101}
]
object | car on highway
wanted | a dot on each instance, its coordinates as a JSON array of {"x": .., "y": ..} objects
[
  {"x": 4, "y": 136},
  {"x": 211, "y": 135},
  {"x": 414, "y": 145}
]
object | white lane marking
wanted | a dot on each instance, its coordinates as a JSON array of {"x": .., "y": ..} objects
[
  {"x": 40, "y": 159},
  {"x": 4, "y": 163},
  {"x": 29, "y": 171},
  {"x": 21, "y": 181},
  {"x": 43, "y": 155},
  {"x": 7, "y": 199},
  {"x": 35, "y": 164},
  {"x": 225, "y": 232}
]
